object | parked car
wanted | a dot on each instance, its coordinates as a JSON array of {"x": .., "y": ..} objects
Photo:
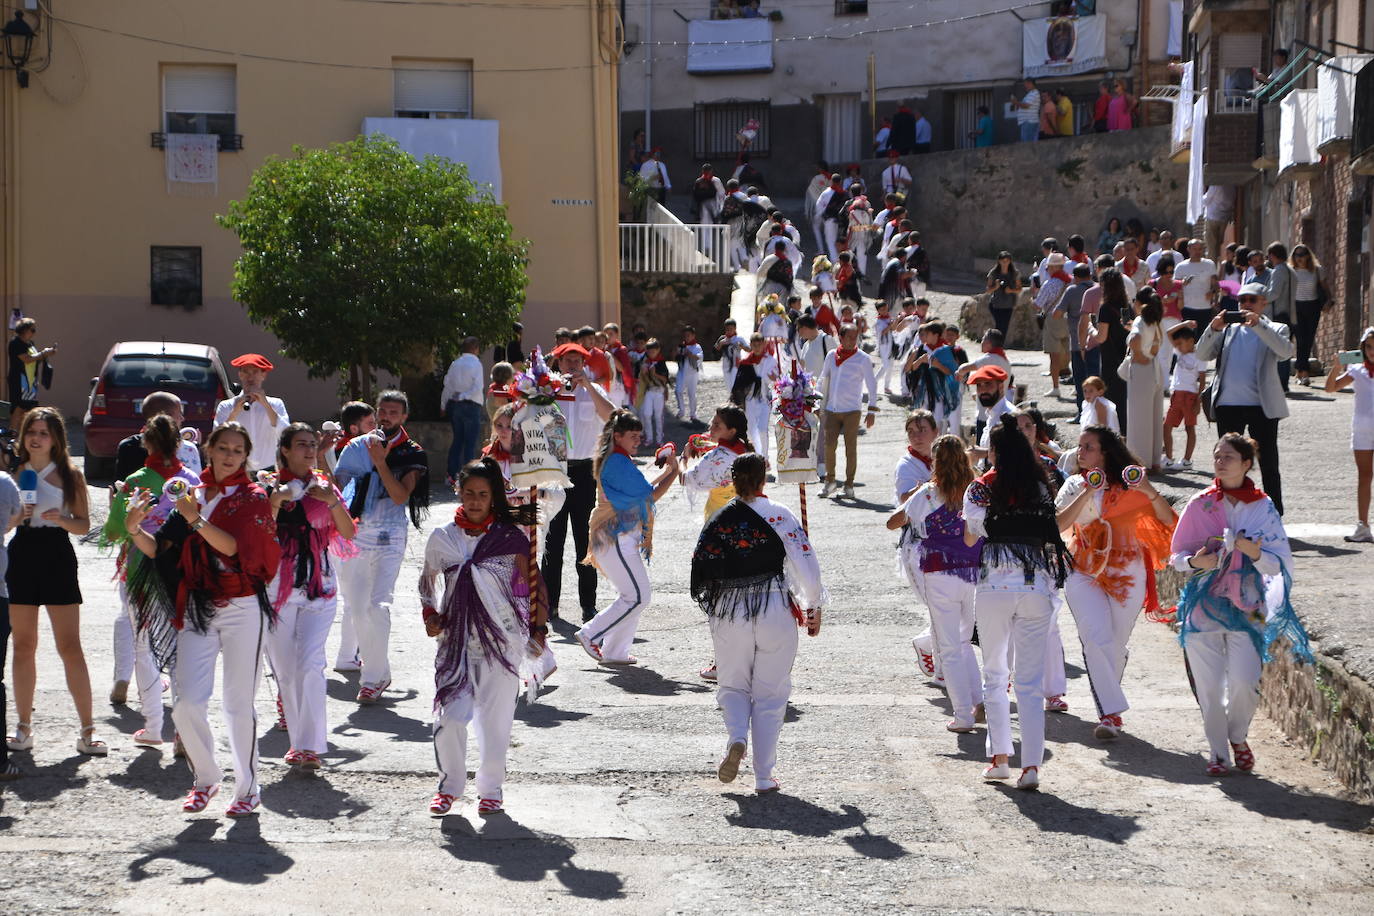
[{"x": 135, "y": 369}]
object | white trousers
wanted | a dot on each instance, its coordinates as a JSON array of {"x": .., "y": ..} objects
[
  {"x": 687, "y": 391},
  {"x": 651, "y": 410},
  {"x": 296, "y": 649},
  {"x": 884, "y": 368},
  {"x": 757, "y": 412},
  {"x": 1104, "y": 629},
  {"x": 818, "y": 227},
  {"x": 1056, "y": 681},
  {"x": 832, "y": 240},
  {"x": 614, "y": 628},
  {"x": 1225, "y": 672},
  {"x": 134, "y": 661},
  {"x": 729, "y": 376},
  {"x": 367, "y": 583},
  {"x": 235, "y": 638},
  {"x": 1020, "y": 620},
  {"x": 348, "y": 640},
  {"x": 490, "y": 706},
  {"x": 754, "y": 678},
  {"x": 950, "y": 601}
]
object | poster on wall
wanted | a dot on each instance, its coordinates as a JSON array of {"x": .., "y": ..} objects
[{"x": 1062, "y": 46}]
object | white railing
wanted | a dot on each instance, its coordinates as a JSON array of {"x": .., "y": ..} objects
[
  {"x": 1234, "y": 101},
  {"x": 667, "y": 248}
]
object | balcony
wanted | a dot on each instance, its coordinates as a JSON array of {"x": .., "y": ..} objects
[
  {"x": 729, "y": 46},
  {"x": 1298, "y": 156},
  {"x": 1229, "y": 140},
  {"x": 1336, "y": 101},
  {"x": 1362, "y": 125}
]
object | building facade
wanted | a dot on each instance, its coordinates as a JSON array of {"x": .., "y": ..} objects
[
  {"x": 100, "y": 245},
  {"x": 820, "y": 76}
]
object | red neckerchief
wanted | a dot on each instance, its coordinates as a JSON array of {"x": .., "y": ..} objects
[
  {"x": 998, "y": 351},
  {"x": 237, "y": 479},
  {"x": 1080, "y": 258},
  {"x": 617, "y": 450},
  {"x": 751, "y": 359},
  {"x": 460, "y": 518},
  {"x": 1129, "y": 267},
  {"x": 166, "y": 467},
  {"x": 655, "y": 359},
  {"x": 1369, "y": 367},
  {"x": 284, "y": 475},
  {"x": 733, "y": 445},
  {"x": 339, "y": 446},
  {"x": 496, "y": 451},
  {"x": 1246, "y": 492},
  {"x": 924, "y": 459},
  {"x": 1060, "y": 275},
  {"x": 841, "y": 354}
]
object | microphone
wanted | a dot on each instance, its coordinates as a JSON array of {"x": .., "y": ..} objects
[{"x": 28, "y": 487}]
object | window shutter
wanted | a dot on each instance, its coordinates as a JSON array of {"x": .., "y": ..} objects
[
  {"x": 434, "y": 89},
  {"x": 199, "y": 89},
  {"x": 1241, "y": 50}
]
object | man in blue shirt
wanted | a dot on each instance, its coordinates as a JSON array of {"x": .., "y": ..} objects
[
  {"x": 922, "y": 134},
  {"x": 983, "y": 134},
  {"x": 385, "y": 479}
]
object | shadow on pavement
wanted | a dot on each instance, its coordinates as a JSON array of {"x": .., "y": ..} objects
[
  {"x": 1130, "y": 754},
  {"x": 1054, "y": 815},
  {"x": 147, "y": 773},
  {"x": 252, "y": 860},
  {"x": 542, "y": 715},
  {"x": 47, "y": 783},
  {"x": 381, "y": 717},
  {"x": 312, "y": 797},
  {"x": 797, "y": 816},
  {"x": 646, "y": 681},
  {"x": 1272, "y": 799},
  {"x": 518, "y": 853},
  {"x": 1322, "y": 550}
]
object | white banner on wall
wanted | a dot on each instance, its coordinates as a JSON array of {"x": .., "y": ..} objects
[
  {"x": 1064, "y": 46},
  {"x": 730, "y": 46}
]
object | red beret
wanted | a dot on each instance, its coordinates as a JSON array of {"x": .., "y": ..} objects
[
  {"x": 987, "y": 374},
  {"x": 892, "y": 154},
  {"x": 564, "y": 349},
  {"x": 256, "y": 360}
]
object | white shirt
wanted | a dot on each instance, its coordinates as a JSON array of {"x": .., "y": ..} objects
[
  {"x": 1088, "y": 416},
  {"x": 1007, "y": 577},
  {"x": 463, "y": 381},
  {"x": 995, "y": 413},
  {"x": 893, "y": 176},
  {"x": 261, "y": 429},
  {"x": 1028, "y": 112},
  {"x": 584, "y": 423},
  {"x": 1186, "y": 370},
  {"x": 767, "y": 370},
  {"x": 656, "y": 173},
  {"x": 729, "y": 352},
  {"x": 814, "y": 352},
  {"x": 844, "y": 384},
  {"x": 1219, "y": 202},
  {"x": 1195, "y": 289},
  {"x": 1363, "y": 416},
  {"x": 908, "y": 475}
]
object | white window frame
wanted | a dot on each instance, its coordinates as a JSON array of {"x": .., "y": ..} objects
[{"x": 216, "y": 101}]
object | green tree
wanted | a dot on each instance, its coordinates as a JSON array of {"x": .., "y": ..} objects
[{"x": 360, "y": 258}]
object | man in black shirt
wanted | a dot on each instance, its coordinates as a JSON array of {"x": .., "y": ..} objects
[
  {"x": 25, "y": 364},
  {"x": 130, "y": 454}
]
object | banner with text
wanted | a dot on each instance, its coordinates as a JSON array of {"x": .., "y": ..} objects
[
  {"x": 1064, "y": 46},
  {"x": 539, "y": 447}
]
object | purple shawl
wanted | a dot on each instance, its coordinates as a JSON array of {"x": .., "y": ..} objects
[{"x": 463, "y": 614}]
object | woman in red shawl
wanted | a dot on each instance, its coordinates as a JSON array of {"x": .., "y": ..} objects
[{"x": 206, "y": 596}]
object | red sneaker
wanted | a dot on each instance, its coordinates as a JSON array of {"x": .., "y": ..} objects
[{"x": 1056, "y": 704}]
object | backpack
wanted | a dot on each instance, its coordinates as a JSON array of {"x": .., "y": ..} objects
[{"x": 703, "y": 189}]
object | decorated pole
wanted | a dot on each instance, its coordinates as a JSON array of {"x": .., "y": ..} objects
[
  {"x": 801, "y": 492},
  {"x": 534, "y": 556},
  {"x": 797, "y": 433}
]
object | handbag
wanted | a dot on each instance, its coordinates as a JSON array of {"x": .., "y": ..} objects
[
  {"x": 45, "y": 375},
  {"x": 1205, "y": 398}
]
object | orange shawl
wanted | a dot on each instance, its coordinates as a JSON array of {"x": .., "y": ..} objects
[{"x": 1128, "y": 527}]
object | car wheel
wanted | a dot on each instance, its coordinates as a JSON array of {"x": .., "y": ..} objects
[{"x": 99, "y": 468}]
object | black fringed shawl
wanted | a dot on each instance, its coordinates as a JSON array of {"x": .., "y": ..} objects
[
  {"x": 1024, "y": 532},
  {"x": 738, "y": 563}
]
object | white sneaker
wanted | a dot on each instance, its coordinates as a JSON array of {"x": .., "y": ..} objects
[
  {"x": 849, "y": 491},
  {"x": 1362, "y": 535},
  {"x": 996, "y": 772},
  {"x": 1185, "y": 464},
  {"x": 827, "y": 489}
]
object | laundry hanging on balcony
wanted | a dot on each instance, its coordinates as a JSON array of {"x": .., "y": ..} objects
[
  {"x": 192, "y": 164},
  {"x": 1298, "y": 130},
  {"x": 1336, "y": 97},
  {"x": 1197, "y": 186}
]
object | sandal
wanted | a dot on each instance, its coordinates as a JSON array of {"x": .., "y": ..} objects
[
  {"x": 309, "y": 760},
  {"x": 1217, "y": 768},
  {"x": 441, "y": 803},
  {"x": 292, "y": 758},
  {"x": 198, "y": 798},
  {"x": 21, "y": 744},
  {"x": 489, "y": 806},
  {"x": 244, "y": 807},
  {"x": 1245, "y": 758},
  {"x": 92, "y": 746},
  {"x": 145, "y": 738}
]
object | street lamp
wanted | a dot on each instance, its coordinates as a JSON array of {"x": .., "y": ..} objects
[{"x": 18, "y": 45}]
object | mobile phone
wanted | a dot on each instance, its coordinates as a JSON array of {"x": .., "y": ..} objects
[
  {"x": 1233, "y": 317},
  {"x": 1350, "y": 357}
]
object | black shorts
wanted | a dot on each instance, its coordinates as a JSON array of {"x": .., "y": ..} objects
[{"x": 42, "y": 568}]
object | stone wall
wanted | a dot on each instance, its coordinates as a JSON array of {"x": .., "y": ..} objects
[
  {"x": 970, "y": 204},
  {"x": 665, "y": 302}
]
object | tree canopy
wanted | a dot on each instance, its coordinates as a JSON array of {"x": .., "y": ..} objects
[{"x": 354, "y": 254}]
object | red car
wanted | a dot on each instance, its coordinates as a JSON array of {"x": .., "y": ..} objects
[{"x": 135, "y": 369}]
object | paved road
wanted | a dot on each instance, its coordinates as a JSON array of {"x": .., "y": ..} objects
[{"x": 613, "y": 803}]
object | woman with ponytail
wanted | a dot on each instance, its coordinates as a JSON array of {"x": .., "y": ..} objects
[
  {"x": 475, "y": 591},
  {"x": 204, "y": 598},
  {"x": 622, "y": 535},
  {"x": 943, "y": 570},
  {"x": 710, "y": 473},
  {"x": 315, "y": 532},
  {"x": 1236, "y": 603},
  {"x": 1023, "y": 561},
  {"x": 161, "y": 442}
]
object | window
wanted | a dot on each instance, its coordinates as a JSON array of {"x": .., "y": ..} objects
[
  {"x": 175, "y": 275},
  {"x": 718, "y": 125},
  {"x": 851, "y": 7},
  {"x": 201, "y": 99},
  {"x": 433, "y": 88},
  {"x": 159, "y": 371}
]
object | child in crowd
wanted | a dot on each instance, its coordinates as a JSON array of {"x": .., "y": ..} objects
[
  {"x": 823, "y": 313},
  {"x": 689, "y": 357},
  {"x": 847, "y": 278},
  {"x": 1188, "y": 375},
  {"x": 1097, "y": 410},
  {"x": 728, "y": 345},
  {"x": 653, "y": 391},
  {"x": 847, "y": 316},
  {"x": 1360, "y": 375}
]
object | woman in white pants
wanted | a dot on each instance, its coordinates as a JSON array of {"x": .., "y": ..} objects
[
  {"x": 206, "y": 599},
  {"x": 1118, "y": 526},
  {"x": 621, "y": 533},
  {"x": 312, "y": 523},
  {"x": 944, "y": 570},
  {"x": 1023, "y": 562},
  {"x": 161, "y": 440},
  {"x": 1231, "y": 541},
  {"x": 487, "y": 634},
  {"x": 756, "y": 576}
]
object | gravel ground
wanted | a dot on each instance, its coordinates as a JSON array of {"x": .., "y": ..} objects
[{"x": 613, "y": 804}]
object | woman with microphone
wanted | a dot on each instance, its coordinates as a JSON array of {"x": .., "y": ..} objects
[
  {"x": 213, "y": 560},
  {"x": 43, "y": 571}
]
